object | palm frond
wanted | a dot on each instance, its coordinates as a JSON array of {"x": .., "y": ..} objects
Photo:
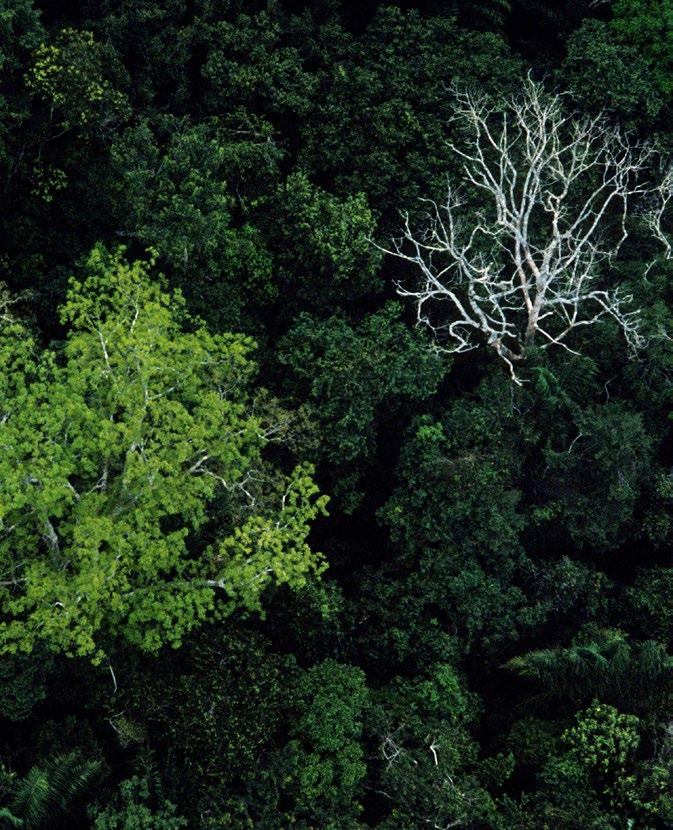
[{"x": 50, "y": 790}]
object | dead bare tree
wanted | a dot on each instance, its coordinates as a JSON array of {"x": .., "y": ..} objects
[{"x": 529, "y": 268}]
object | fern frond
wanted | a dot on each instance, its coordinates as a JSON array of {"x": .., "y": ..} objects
[
  {"x": 31, "y": 798},
  {"x": 50, "y": 790}
]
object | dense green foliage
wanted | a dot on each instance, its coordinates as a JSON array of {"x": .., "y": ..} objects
[{"x": 269, "y": 557}]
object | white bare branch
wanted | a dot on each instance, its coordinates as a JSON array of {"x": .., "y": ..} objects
[
  {"x": 662, "y": 194},
  {"x": 530, "y": 267}
]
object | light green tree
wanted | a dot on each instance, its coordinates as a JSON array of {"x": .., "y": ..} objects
[{"x": 135, "y": 499}]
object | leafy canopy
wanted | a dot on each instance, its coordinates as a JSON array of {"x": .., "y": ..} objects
[{"x": 115, "y": 449}]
